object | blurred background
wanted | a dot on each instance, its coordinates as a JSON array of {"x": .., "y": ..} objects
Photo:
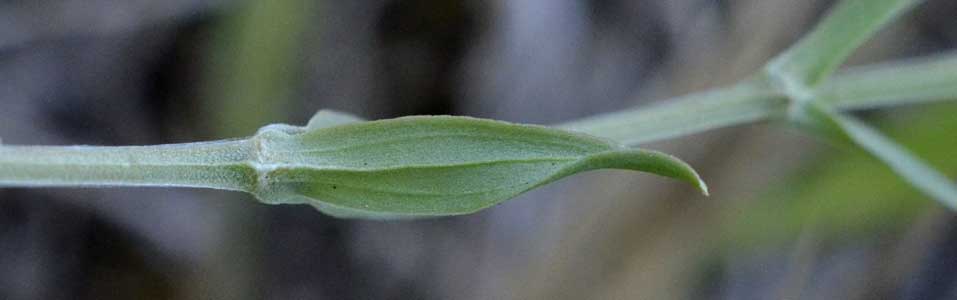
[{"x": 790, "y": 218}]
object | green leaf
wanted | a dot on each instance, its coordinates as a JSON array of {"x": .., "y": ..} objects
[
  {"x": 846, "y": 129},
  {"x": 432, "y": 165}
]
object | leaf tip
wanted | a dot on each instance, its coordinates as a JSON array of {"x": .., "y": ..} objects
[
  {"x": 649, "y": 161},
  {"x": 695, "y": 179},
  {"x": 702, "y": 186}
]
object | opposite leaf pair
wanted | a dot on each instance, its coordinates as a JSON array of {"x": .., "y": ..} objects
[{"x": 429, "y": 165}]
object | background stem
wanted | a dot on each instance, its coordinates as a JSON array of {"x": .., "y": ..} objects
[
  {"x": 846, "y": 26},
  {"x": 743, "y": 103},
  {"x": 890, "y": 84}
]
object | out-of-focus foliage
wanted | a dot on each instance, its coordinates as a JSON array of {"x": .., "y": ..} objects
[
  {"x": 255, "y": 62},
  {"x": 849, "y": 194}
]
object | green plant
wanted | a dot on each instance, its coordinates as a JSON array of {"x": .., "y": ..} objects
[{"x": 441, "y": 165}]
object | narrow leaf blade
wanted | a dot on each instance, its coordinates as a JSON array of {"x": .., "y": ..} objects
[{"x": 909, "y": 167}]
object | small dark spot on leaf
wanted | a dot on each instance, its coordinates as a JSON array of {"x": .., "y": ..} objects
[{"x": 333, "y": 186}]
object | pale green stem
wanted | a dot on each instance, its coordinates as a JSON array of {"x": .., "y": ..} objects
[
  {"x": 930, "y": 79},
  {"x": 744, "y": 103},
  {"x": 219, "y": 165}
]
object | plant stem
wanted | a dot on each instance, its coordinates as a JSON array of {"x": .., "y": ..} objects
[
  {"x": 743, "y": 103},
  {"x": 219, "y": 164},
  {"x": 931, "y": 79}
]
